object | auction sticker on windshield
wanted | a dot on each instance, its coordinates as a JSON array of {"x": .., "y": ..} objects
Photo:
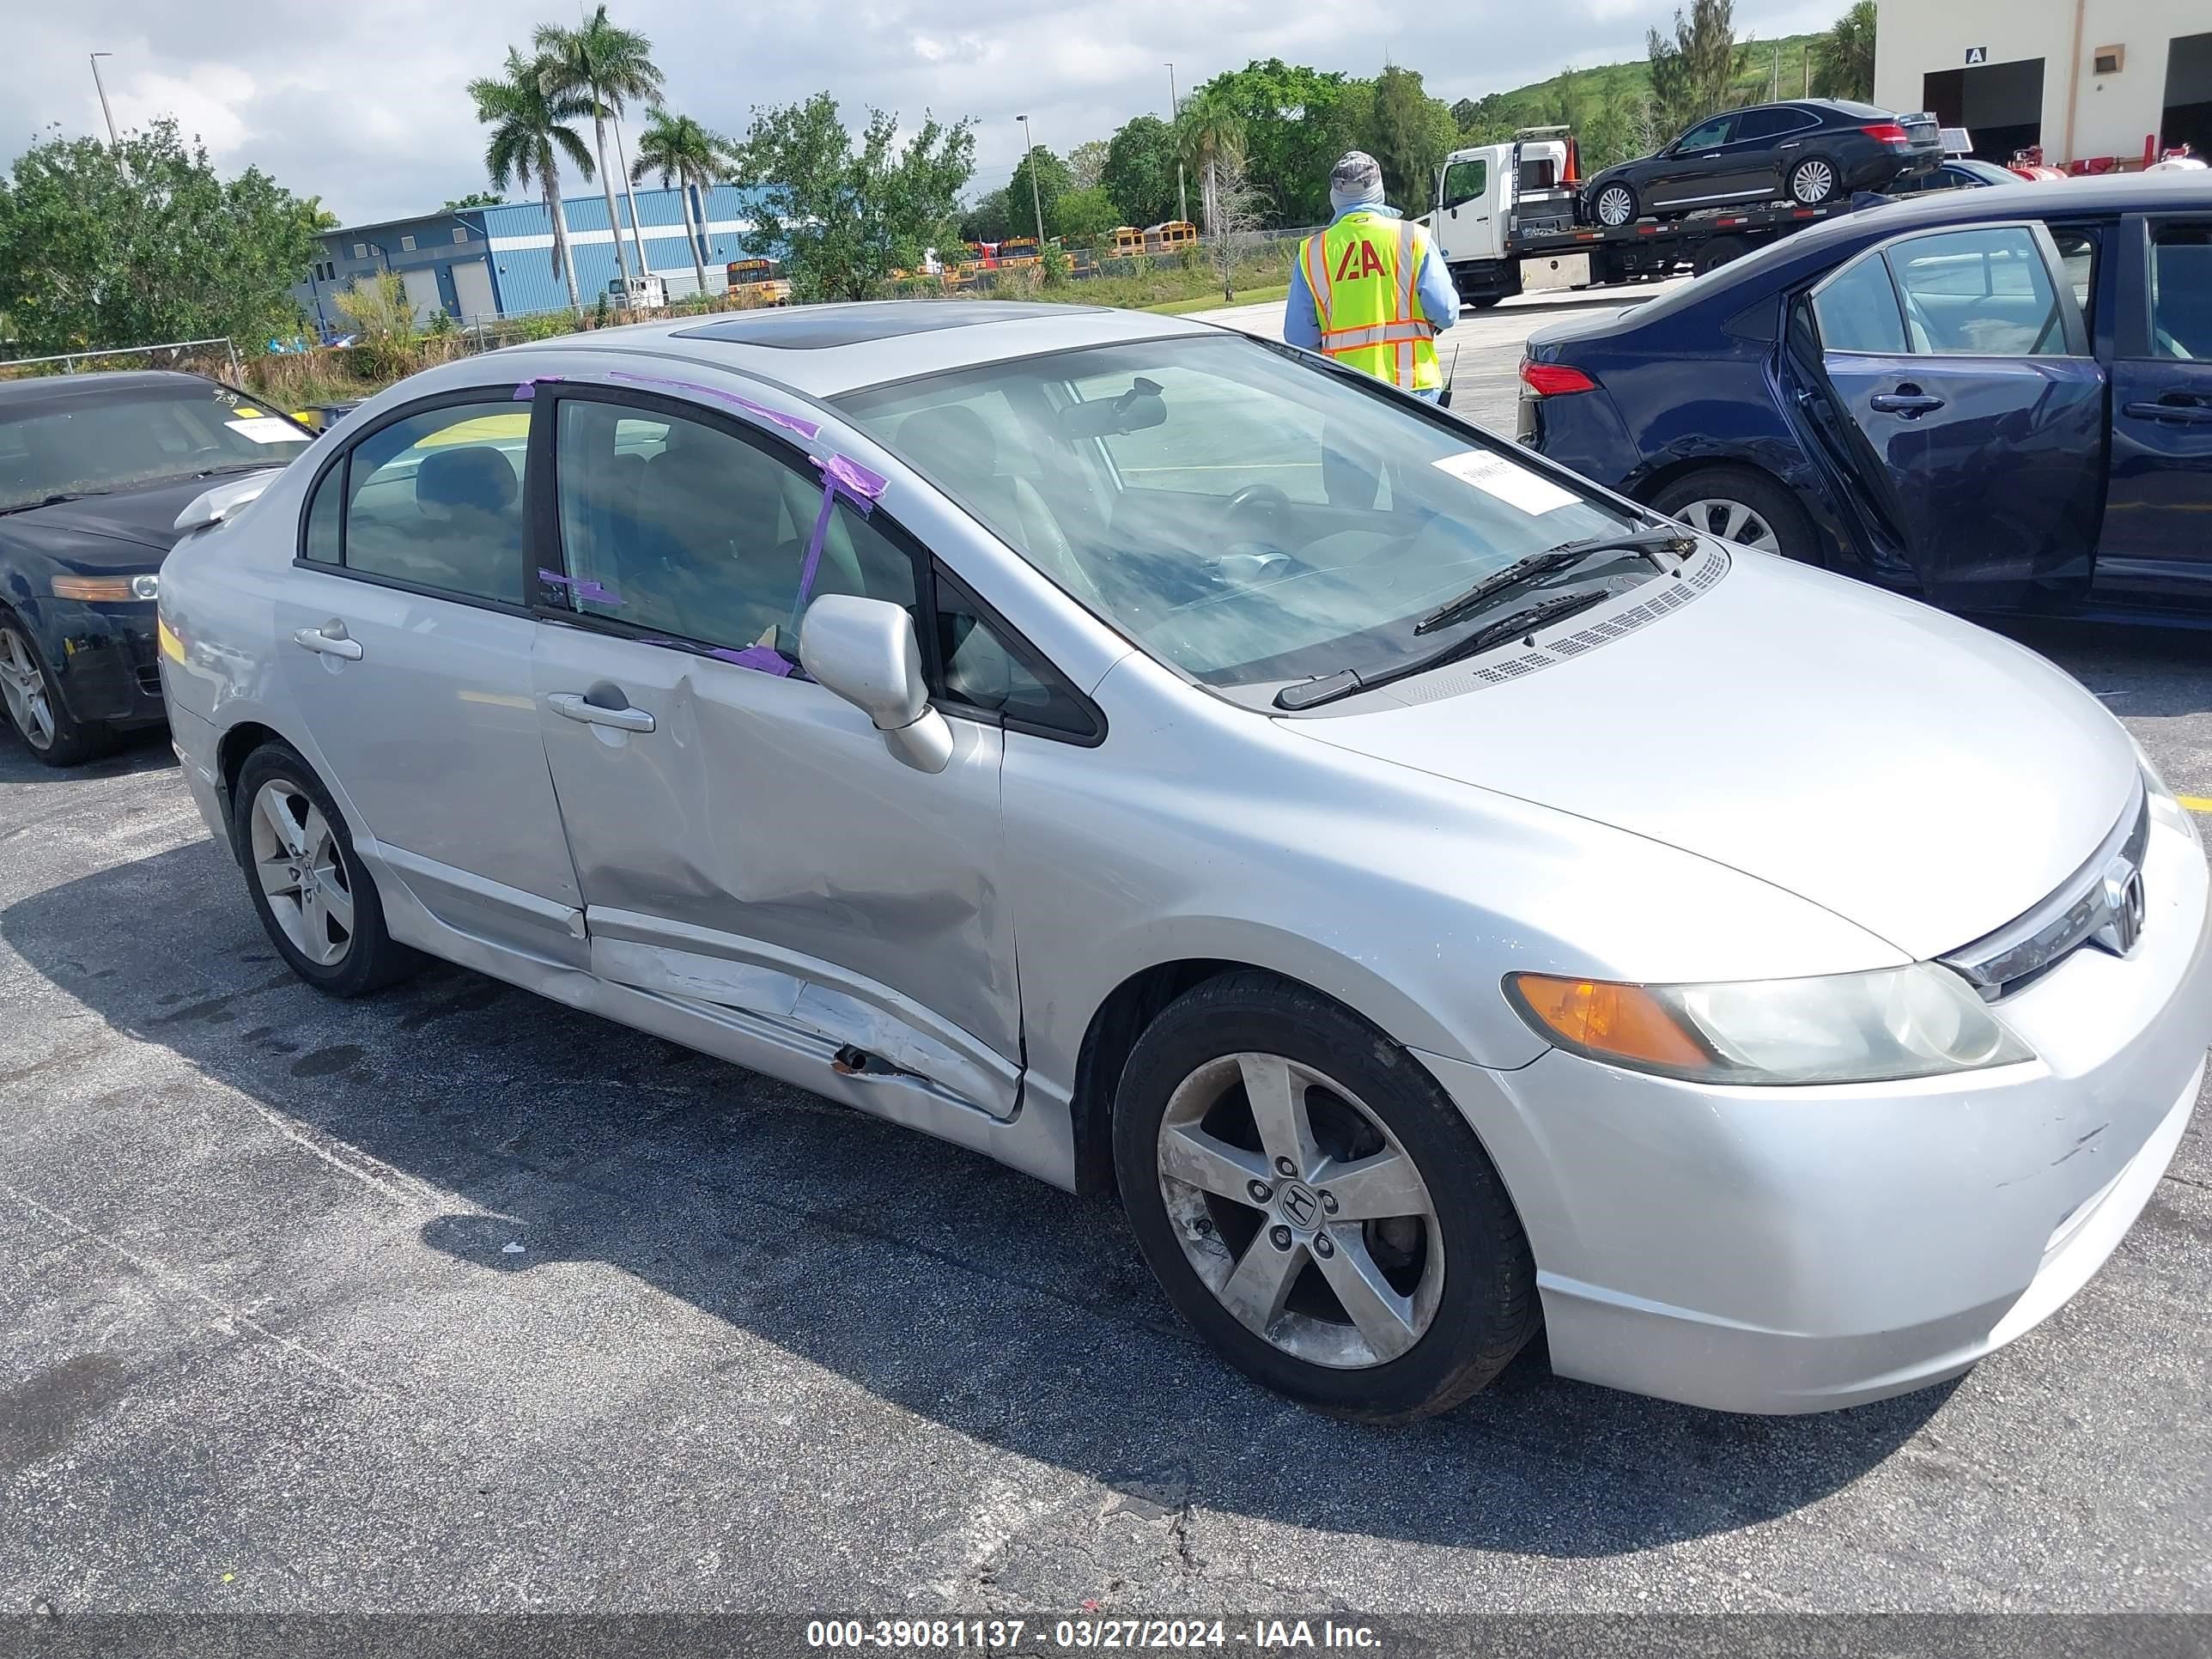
[
  {"x": 266, "y": 429},
  {"x": 1495, "y": 476}
]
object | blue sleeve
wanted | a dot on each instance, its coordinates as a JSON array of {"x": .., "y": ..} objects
[
  {"x": 1301, "y": 321},
  {"x": 1439, "y": 295}
]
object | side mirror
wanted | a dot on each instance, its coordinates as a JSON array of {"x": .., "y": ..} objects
[{"x": 865, "y": 651}]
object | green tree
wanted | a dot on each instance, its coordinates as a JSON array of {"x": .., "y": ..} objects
[
  {"x": 988, "y": 218},
  {"x": 686, "y": 155},
  {"x": 1140, "y": 171},
  {"x": 1295, "y": 122},
  {"x": 143, "y": 241},
  {"x": 1054, "y": 180},
  {"x": 475, "y": 198},
  {"x": 843, "y": 216},
  {"x": 609, "y": 68},
  {"x": 530, "y": 134},
  {"x": 1843, "y": 59},
  {"x": 1693, "y": 75},
  {"x": 1087, "y": 163},
  {"x": 1208, "y": 133},
  {"x": 1082, "y": 218},
  {"x": 1409, "y": 133}
]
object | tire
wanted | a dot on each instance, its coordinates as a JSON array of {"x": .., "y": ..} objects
[
  {"x": 1814, "y": 181},
  {"x": 1488, "y": 301},
  {"x": 36, "y": 707},
  {"x": 1744, "y": 507},
  {"x": 350, "y": 954},
  {"x": 1441, "y": 1234},
  {"x": 1617, "y": 198},
  {"x": 1720, "y": 250}
]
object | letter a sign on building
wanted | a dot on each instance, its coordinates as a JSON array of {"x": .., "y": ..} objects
[{"x": 1977, "y": 55}]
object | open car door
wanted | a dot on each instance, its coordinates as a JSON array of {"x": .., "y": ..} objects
[{"x": 1948, "y": 377}]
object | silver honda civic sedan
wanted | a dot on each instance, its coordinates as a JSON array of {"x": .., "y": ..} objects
[{"x": 1442, "y": 899}]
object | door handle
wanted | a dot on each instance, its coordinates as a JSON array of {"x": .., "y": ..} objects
[
  {"x": 1909, "y": 402},
  {"x": 330, "y": 640},
  {"x": 571, "y": 705},
  {"x": 2178, "y": 413}
]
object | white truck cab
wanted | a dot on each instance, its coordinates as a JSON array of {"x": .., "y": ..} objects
[
  {"x": 646, "y": 292},
  {"x": 1483, "y": 193}
]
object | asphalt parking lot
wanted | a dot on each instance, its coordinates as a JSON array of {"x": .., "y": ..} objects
[{"x": 454, "y": 1300}]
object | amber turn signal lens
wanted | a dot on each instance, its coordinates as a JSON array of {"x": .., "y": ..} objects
[
  {"x": 106, "y": 589},
  {"x": 1597, "y": 1017}
]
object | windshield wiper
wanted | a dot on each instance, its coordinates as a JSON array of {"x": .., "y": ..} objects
[
  {"x": 1558, "y": 558},
  {"x": 49, "y": 501},
  {"x": 1328, "y": 688},
  {"x": 239, "y": 466}
]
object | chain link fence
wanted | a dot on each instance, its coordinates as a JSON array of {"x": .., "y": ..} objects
[{"x": 216, "y": 359}]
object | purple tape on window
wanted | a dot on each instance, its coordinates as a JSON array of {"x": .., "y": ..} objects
[
  {"x": 524, "y": 390},
  {"x": 839, "y": 476},
  {"x": 806, "y": 429},
  {"x": 759, "y": 657},
  {"x": 582, "y": 589}
]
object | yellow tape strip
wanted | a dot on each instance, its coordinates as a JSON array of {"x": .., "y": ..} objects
[{"x": 2196, "y": 803}]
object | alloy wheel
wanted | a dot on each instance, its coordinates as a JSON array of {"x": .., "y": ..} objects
[
  {"x": 301, "y": 870},
  {"x": 1731, "y": 521},
  {"x": 1616, "y": 205},
  {"x": 1814, "y": 182},
  {"x": 23, "y": 686},
  {"x": 1300, "y": 1210}
]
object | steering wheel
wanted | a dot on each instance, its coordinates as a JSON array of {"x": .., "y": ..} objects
[{"x": 1255, "y": 494}]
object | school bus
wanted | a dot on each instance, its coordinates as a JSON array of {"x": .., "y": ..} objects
[
  {"x": 1128, "y": 242},
  {"x": 1169, "y": 237},
  {"x": 758, "y": 283},
  {"x": 1018, "y": 251}
]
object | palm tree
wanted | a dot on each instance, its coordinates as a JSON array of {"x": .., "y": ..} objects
[
  {"x": 682, "y": 151},
  {"x": 606, "y": 66},
  {"x": 1209, "y": 135},
  {"x": 529, "y": 137}
]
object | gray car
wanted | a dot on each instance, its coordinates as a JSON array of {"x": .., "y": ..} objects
[{"x": 1444, "y": 900}]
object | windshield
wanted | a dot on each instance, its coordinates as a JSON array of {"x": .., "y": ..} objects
[
  {"x": 1241, "y": 514},
  {"x": 83, "y": 441}
]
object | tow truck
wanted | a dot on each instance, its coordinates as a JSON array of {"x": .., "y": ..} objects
[{"x": 1508, "y": 221}]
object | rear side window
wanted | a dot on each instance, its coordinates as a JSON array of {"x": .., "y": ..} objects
[
  {"x": 1983, "y": 293},
  {"x": 434, "y": 501},
  {"x": 2181, "y": 292},
  {"x": 1856, "y": 309},
  {"x": 1772, "y": 123}
]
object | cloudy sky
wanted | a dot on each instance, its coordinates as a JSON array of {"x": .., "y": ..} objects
[{"x": 362, "y": 104}]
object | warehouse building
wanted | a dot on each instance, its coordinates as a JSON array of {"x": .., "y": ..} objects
[
  {"x": 2090, "y": 83},
  {"x": 475, "y": 264}
]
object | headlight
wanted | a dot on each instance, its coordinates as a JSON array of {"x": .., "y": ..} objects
[
  {"x": 2164, "y": 803},
  {"x": 108, "y": 589},
  {"x": 1920, "y": 1021}
]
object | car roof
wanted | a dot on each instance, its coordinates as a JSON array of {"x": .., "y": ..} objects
[
  {"x": 47, "y": 387},
  {"x": 827, "y": 350}
]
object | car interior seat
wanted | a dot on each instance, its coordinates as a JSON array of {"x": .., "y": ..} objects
[{"x": 952, "y": 446}]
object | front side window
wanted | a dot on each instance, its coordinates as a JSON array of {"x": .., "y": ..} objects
[
  {"x": 436, "y": 501},
  {"x": 1465, "y": 181},
  {"x": 686, "y": 530},
  {"x": 1713, "y": 134},
  {"x": 73, "y": 441},
  {"x": 1242, "y": 515},
  {"x": 2181, "y": 292}
]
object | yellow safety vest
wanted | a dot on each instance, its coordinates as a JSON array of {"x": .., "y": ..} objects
[{"x": 1362, "y": 272}]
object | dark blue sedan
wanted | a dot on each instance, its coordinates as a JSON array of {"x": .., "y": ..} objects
[{"x": 1999, "y": 400}]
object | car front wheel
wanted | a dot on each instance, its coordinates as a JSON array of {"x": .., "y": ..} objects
[
  {"x": 1315, "y": 1205},
  {"x": 316, "y": 901},
  {"x": 1614, "y": 205},
  {"x": 36, "y": 706}
]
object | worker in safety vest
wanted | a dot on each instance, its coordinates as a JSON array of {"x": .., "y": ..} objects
[{"x": 1372, "y": 290}]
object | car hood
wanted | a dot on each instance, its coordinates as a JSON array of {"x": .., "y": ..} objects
[
  {"x": 1918, "y": 777},
  {"x": 118, "y": 528}
]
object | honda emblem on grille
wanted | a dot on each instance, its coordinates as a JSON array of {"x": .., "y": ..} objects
[{"x": 2123, "y": 907}]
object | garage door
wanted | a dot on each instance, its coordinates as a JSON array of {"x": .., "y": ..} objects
[
  {"x": 423, "y": 294},
  {"x": 472, "y": 290}
]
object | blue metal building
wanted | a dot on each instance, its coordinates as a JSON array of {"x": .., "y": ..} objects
[{"x": 479, "y": 262}]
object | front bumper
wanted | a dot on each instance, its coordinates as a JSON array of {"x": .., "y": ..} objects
[
  {"x": 196, "y": 745},
  {"x": 106, "y": 659},
  {"x": 1803, "y": 1248}
]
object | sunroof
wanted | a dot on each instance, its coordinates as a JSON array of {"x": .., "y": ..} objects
[{"x": 806, "y": 328}]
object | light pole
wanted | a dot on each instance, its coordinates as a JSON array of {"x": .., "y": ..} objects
[
  {"x": 112, "y": 142},
  {"x": 1028, "y": 157},
  {"x": 1183, "y": 194}
]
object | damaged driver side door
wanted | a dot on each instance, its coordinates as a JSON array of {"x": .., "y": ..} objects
[{"x": 743, "y": 839}]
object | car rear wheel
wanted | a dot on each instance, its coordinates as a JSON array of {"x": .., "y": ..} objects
[
  {"x": 1614, "y": 205},
  {"x": 35, "y": 708},
  {"x": 1741, "y": 506},
  {"x": 317, "y": 903},
  {"x": 1316, "y": 1205},
  {"x": 1812, "y": 182}
]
